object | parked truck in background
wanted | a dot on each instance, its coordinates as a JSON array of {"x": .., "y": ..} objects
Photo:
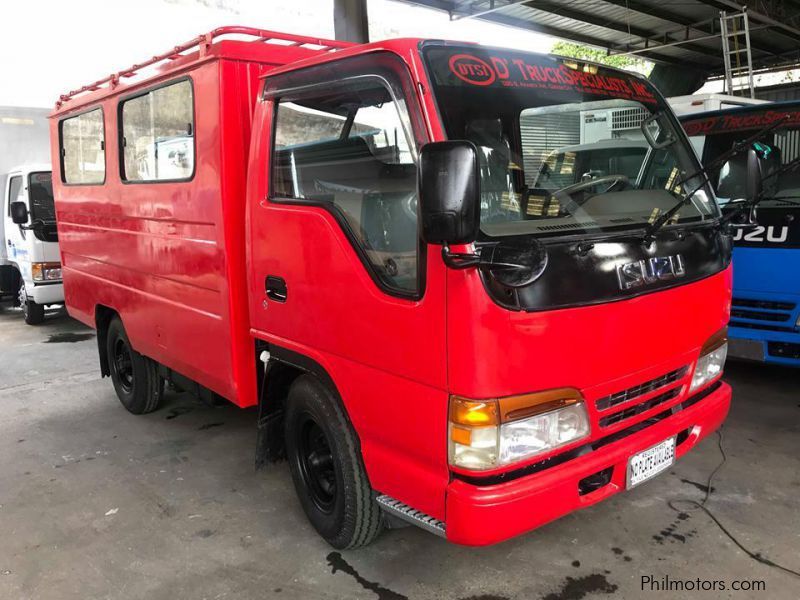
[
  {"x": 694, "y": 103},
  {"x": 29, "y": 258},
  {"x": 765, "y": 317},
  {"x": 354, "y": 238}
]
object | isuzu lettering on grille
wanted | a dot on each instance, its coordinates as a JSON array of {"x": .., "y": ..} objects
[{"x": 643, "y": 272}]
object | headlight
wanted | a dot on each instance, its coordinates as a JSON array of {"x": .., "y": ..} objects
[
  {"x": 712, "y": 360},
  {"x": 46, "y": 271},
  {"x": 485, "y": 434}
]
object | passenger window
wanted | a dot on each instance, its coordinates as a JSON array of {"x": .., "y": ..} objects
[
  {"x": 158, "y": 134},
  {"x": 14, "y": 190},
  {"x": 348, "y": 147},
  {"x": 83, "y": 153}
]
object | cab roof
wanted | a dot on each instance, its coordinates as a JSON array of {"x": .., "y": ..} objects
[{"x": 30, "y": 168}]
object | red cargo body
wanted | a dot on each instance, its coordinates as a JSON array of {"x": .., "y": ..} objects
[
  {"x": 169, "y": 257},
  {"x": 184, "y": 264}
]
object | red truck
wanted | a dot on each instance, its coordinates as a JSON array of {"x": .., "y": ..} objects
[{"x": 360, "y": 240}]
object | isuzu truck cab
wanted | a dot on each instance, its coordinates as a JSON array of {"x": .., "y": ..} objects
[
  {"x": 32, "y": 269},
  {"x": 351, "y": 237},
  {"x": 765, "y": 317}
]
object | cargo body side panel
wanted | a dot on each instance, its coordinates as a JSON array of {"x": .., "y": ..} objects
[{"x": 155, "y": 252}]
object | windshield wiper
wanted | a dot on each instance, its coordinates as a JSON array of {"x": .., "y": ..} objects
[{"x": 705, "y": 172}]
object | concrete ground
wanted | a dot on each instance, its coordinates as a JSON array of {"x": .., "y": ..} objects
[{"x": 97, "y": 503}]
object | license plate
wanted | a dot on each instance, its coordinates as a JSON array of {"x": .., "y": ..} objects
[
  {"x": 649, "y": 463},
  {"x": 746, "y": 349}
]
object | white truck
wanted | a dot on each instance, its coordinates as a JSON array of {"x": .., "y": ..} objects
[
  {"x": 33, "y": 267},
  {"x": 29, "y": 255},
  {"x": 684, "y": 105}
]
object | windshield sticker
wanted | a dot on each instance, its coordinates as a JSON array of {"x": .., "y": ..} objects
[
  {"x": 527, "y": 72},
  {"x": 724, "y": 123}
]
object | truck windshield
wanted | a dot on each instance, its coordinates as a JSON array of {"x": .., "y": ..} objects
[
  {"x": 714, "y": 135},
  {"x": 561, "y": 145},
  {"x": 40, "y": 194},
  {"x": 42, "y": 207}
]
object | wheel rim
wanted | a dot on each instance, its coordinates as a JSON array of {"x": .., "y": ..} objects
[
  {"x": 123, "y": 365},
  {"x": 316, "y": 464}
]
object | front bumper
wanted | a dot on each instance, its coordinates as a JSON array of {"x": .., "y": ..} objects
[
  {"x": 478, "y": 515},
  {"x": 777, "y": 347},
  {"x": 46, "y": 293}
]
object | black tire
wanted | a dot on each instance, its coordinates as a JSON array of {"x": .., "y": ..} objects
[
  {"x": 325, "y": 461},
  {"x": 31, "y": 311},
  {"x": 135, "y": 377}
]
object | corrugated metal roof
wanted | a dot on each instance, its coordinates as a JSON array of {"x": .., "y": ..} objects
[{"x": 675, "y": 32}]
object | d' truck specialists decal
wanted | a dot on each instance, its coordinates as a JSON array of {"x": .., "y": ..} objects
[
  {"x": 476, "y": 68},
  {"x": 736, "y": 122}
]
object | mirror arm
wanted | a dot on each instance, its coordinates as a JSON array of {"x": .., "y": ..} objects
[{"x": 459, "y": 260}]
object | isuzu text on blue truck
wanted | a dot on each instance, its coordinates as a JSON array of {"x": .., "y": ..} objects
[{"x": 765, "y": 316}]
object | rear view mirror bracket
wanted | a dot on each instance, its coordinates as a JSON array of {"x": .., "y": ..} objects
[{"x": 658, "y": 120}]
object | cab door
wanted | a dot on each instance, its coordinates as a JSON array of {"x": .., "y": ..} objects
[
  {"x": 16, "y": 242},
  {"x": 339, "y": 274}
]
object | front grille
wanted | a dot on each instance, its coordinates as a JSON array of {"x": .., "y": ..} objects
[
  {"x": 766, "y": 315},
  {"x": 611, "y": 400},
  {"x": 760, "y": 315},
  {"x": 638, "y": 409},
  {"x": 766, "y": 304},
  {"x": 762, "y": 326}
]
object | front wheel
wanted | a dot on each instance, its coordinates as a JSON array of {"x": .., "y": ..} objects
[
  {"x": 327, "y": 471},
  {"x": 33, "y": 312},
  {"x": 135, "y": 377}
]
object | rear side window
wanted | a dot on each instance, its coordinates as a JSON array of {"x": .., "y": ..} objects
[
  {"x": 83, "y": 152},
  {"x": 158, "y": 134}
]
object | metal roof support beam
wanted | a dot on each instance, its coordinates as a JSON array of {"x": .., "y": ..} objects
[
  {"x": 494, "y": 6},
  {"x": 664, "y": 15},
  {"x": 585, "y": 39},
  {"x": 650, "y": 40},
  {"x": 782, "y": 28},
  {"x": 350, "y": 22}
]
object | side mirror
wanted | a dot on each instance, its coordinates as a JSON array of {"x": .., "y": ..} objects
[
  {"x": 755, "y": 175},
  {"x": 19, "y": 212},
  {"x": 449, "y": 192}
]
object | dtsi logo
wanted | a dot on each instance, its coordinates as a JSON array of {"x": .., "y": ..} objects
[
  {"x": 472, "y": 69},
  {"x": 641, "y": 272},
  {"x": 774, "y": 235}
]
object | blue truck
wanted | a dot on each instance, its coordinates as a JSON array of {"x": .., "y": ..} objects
[{"x": 765, "y": 314}]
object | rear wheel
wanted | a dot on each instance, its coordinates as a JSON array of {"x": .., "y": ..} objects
[
  {"x": 33, "y": 312},
  {"x": 135, "y": 377},
  {"x": 325, "y": 462}
]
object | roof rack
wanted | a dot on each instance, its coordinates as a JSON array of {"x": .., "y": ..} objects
[{"x": 202, "y": 43}]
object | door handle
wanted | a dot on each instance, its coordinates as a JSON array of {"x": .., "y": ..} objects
[{"x": 275, "y": 288}]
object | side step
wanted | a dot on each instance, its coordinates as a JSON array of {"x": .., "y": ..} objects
[{"x": 412, "y": 515}]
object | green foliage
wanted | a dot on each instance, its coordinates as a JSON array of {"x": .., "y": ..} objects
[{"x": 629, "y": 62}]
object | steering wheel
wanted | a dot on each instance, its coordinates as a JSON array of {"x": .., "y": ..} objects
[{"x": 614, "y": 180}]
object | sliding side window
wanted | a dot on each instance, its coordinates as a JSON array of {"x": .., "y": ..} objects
[
  {"x": 82, "y": 147},
  {"x": 158, "y": 134}
]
